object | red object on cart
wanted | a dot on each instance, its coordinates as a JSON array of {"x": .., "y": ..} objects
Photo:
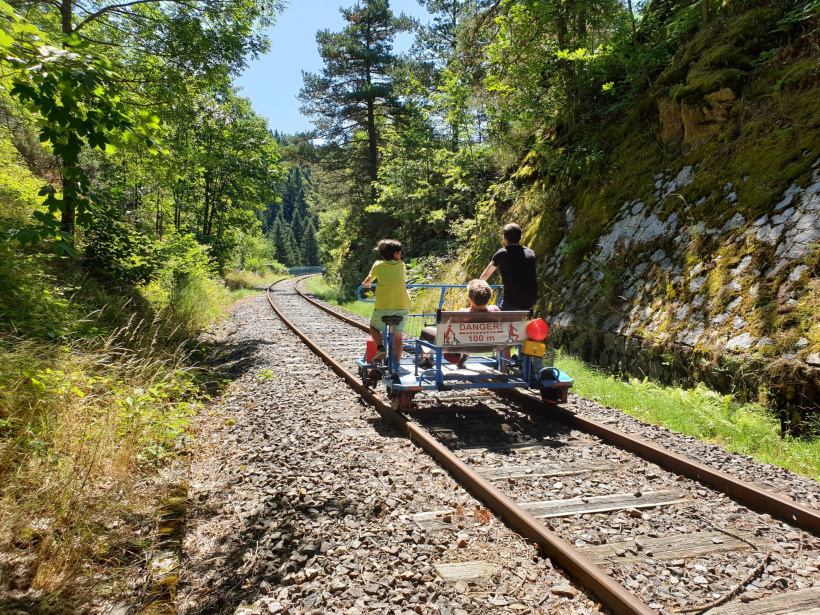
[
  {"x": 537, "y": 330},
  {"x": 371, "y": 349}
]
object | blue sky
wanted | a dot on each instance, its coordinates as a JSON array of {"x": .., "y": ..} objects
[{"x": 273, "y": 81}]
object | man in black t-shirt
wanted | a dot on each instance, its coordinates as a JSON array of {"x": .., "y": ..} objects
[{"x": 517, "y": 264}]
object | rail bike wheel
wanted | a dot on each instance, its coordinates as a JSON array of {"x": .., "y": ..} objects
[
  {"x": 554, "y": 395},
  {"x": 401, "y": 401},
  {"x": 369, "y": 377},
  {"x": 373, "y": 378}
]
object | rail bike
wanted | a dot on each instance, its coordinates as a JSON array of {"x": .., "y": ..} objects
[{"x": 471, "y": 350}]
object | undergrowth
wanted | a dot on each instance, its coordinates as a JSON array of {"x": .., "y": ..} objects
[
  {"x": 98, "y": 385},
  {"x": 240, "y": 280}
]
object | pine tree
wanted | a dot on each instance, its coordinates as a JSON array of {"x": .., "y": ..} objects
[
  {"x": 297, "y": 225},
  {"x": 287, "y": 252},
  {"x": 354, "y": 94},
  {"x": 309, "y": 245},
  {"x": 272, "y": 211},
  {"x": 294, "y": 253},
  {"x": 293, "y": 194}
]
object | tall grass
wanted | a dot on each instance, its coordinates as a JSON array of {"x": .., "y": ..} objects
[
  {"x": 242, "y": 283},
  {"x": 750, "y": 429},
  {"x": 319, "y": 287},
  {"x": 88, "y": 411}
]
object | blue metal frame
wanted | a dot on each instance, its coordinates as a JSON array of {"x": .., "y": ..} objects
[
  {"x": 444, "y": 288},
  {"x": 516, "y": 371}
]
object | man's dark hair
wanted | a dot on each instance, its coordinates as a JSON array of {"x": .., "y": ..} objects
[
  {"x": 388, "y": 248},
  {"x": 512, "y": 233},
  {"x": 479, "y": 291}
]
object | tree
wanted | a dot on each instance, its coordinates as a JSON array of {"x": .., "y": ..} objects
[
  {"x": 78, "y": 100},
  {"x": 309, "y": 246},
  {"x": 235, "y": 166},
  {"x": 293, "y": 194},
  {"x": 157, "y": 48},
  {"x": 296, "y": 225},
  {"x": 354, "y": 94},
  {"x": 287, "y": 252}
]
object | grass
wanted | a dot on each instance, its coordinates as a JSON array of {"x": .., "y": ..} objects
[
  {"x": 245, "y": 283},
  {"x": 324, "y": 291},
  {"x": 238, "y": 280},
  {"x": 98, "y": 385},
  {"x": 749, "y": 429},
  {"x": 82, "y": 421}
]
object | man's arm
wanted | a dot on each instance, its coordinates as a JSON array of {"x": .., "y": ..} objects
[
  {"x": 488, "y": 272},
  {"x": 366, "y": 282}
]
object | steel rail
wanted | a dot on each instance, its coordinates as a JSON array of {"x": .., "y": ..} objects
[
  {"x": 759, "y": 500},
  {"x": 751, "y": 496},
  {"x": 611, "y": 594}
]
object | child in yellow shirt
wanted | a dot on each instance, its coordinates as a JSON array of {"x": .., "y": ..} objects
[{"x": 392, "y": 298}]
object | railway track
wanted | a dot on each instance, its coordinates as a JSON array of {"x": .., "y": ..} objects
[{"x": 631, "y": 526}]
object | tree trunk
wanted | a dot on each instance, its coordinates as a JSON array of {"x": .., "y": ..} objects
[
  {"x": 68, "y": 218},
  {"x": 454, "y": 127},
  {"x": 177, "y": 206},
  {"x": 206, "y": 214},
  {"x": 566, "y": 69},
  {"x": 704, "y": 9},
  {"x": 372, "y": 142},
  {"x": 632, "y": 21},
  {"x": 66, "y": 14}
]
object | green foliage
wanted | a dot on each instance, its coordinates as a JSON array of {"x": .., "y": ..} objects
[
  {"x": 77, "y": 96},
  {"x": 353, "y": 98},
  {"x": 18, "y": 186},
  {"x": 113, "y": 243},
  {"x": 34, "y": 300},
  {"x": 424, "y": 180},
  {"x": 281, "y": 237},
  {"x": 185, "y": 289}
]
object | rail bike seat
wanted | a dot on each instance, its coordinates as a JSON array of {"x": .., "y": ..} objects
[{"x": 391, "y": 321}]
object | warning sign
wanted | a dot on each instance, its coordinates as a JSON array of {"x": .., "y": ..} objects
[{"x": 480, "y": 333}]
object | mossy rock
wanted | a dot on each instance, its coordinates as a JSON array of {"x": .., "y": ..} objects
[
  {"x": 731, "y": 44},
  {"x": 525, "y": 175},
  {"x": 751, "y": 30},
  {"x": 701, "y": 82},
  {"x": 724, "y": 56}
]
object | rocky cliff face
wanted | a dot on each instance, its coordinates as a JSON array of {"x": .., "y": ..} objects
[{"x": 665, "y": 295}]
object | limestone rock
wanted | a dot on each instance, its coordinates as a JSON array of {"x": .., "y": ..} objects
[{"x": 703, "y": 122}]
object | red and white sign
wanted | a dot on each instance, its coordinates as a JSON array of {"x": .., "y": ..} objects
[{"x": 480, "y": 333}]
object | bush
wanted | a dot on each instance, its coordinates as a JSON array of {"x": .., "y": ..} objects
[
  {"x": 253, "y": 253},
  {"x": 185, "y": 291},
  {"x": 242, "y": 279}
]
